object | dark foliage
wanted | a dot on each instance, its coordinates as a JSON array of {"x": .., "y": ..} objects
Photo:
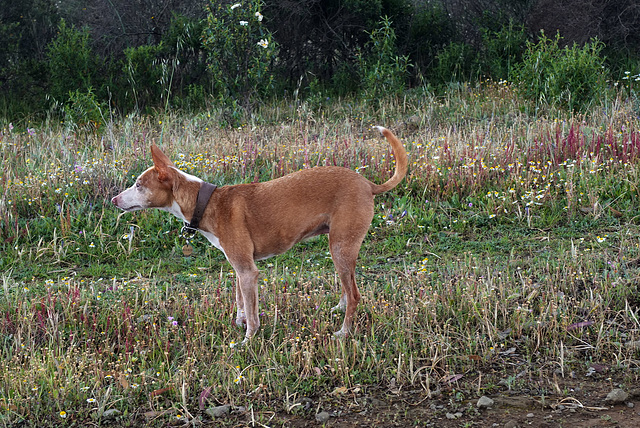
[{"x": 148, "y": 54}]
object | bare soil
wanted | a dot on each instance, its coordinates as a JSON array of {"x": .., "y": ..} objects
[{"x": 575, "y": 402}]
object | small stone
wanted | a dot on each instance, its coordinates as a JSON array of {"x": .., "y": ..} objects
[
  {"x": 111, "y": 413},
  {"x": 151, "y": 414},
  {"x": 142, "y": 319},
  {"x": 322, "y": 417},
  {"x": 375, "y": 402},
  {"x": 306, "y": 403},
  {"x": 511, "y": 424},
  {"x": 219, "y": 411},
  {"x": 630, "y": 405},
  {"x": 484, "y": 402},
  {"x": 531, "y": 415},
  {"x": 413, "y": 123},
  {"x": 450, "y": 416},
  {"x": 616, "y": 396}
]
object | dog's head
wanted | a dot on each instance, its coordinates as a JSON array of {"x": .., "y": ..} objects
[{"x": 154, "y": 188}]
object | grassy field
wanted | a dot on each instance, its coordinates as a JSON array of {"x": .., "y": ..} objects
[{"x": 507, "y": 260}]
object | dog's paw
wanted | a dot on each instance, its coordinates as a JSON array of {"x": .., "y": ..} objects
[
  {"x": 242, "y": 322},
  {"x": 339, "y": 307},
  {"x": 340, "y": 334},
  {"x": 240, "y": 345}
]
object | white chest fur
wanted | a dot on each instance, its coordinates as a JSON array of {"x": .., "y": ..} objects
[{"x": 214, "y": 240}]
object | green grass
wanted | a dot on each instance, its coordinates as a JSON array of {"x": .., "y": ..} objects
[{"x": 512, "y": 245}]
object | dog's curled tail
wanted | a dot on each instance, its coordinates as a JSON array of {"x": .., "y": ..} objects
[{"x": 400, "y": 155}]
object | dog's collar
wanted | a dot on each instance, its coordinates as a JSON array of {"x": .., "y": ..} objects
[{"x": 204, "y": 194}]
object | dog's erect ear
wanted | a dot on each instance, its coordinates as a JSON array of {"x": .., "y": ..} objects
[{"x": 161, "y": 162}]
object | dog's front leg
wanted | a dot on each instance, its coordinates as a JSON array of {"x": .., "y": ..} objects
[
  {"x": 247, "y": 286},
  {"x": 241, "y": 318}
]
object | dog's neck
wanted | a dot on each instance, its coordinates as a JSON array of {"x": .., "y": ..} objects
[
  {"x": 185, "y": 189},
  {"x": 204, "y": 194}
]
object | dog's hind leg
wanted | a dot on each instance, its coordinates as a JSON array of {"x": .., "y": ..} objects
[
  {"x": 344, "y": 252},
  {"x": 342, "y": 304}
]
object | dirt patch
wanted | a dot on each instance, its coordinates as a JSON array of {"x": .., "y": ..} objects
[
  {"x": 507, "y": 411},
  {"x": 577, "y": 403}
]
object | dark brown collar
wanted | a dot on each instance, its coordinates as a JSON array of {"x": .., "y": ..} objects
[{"x": 204, "y": 194}]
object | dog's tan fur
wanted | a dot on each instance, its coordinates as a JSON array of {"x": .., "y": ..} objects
[{"x": 251, "y": 222}]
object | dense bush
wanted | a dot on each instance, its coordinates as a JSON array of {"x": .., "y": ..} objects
[
  {"x": 318, "y": 39},
  {"x": 502, "y": 49},
  {"x": 84, "y": 110},
  {"x": 72, "y": 63},
  {"x": 572, "y": 77},
  {"x": 384, "y": 72},
  {"x": 143, "y": 73},
  {"x": 455, "y": 62},
  {"x": 173, "y": 53},
  {"x": 240, "y": 51},
  {"x": 430, "y": 30}
]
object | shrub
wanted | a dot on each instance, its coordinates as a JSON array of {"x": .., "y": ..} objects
[
  {"x": 183, "y": 44},
  {"x": 571, "y": 77},
  {"x": 144, "y": 73},
  {"x": 455, "y": 63},
  {"x": 502, "y": 50},
  {"x": 383, "y": 71},
  {"x": 431, "y": 28},
  {"x": 84, "y": 110},
  {"x": 72, "y": 63},
  {"x": 240, "y": 51},
  {"x": 319, "y": 39}
]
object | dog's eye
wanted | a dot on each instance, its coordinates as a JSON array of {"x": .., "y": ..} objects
[{"x": 138, "y": 185}]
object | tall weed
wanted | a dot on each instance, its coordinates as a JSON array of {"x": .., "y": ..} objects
[
  {"x": 86, "y": 111},
  {"x": 455, "y": 63}
]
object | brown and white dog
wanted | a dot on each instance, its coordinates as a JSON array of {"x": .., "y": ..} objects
[{"x": 250, "y": 222}]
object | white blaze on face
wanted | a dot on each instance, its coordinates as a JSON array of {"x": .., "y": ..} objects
[
  {"x": 134, "y": 198},
  {"x": 141, "y": 196}
]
